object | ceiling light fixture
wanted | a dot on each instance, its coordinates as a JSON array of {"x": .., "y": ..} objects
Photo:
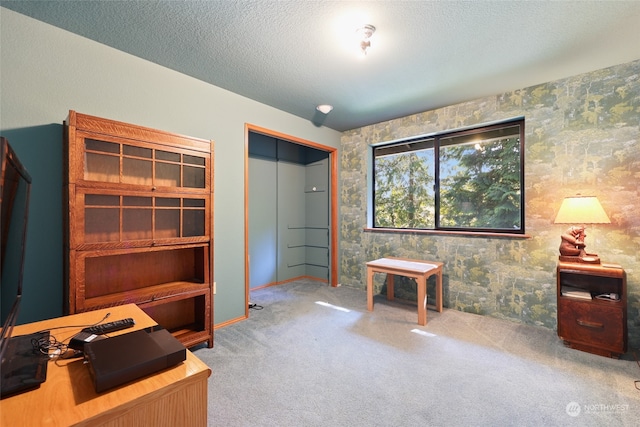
[
  {"x": 364, "y": 33},
  {"x": 324, "y": 108}
]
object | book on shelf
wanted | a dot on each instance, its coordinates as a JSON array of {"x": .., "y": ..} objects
[{"x": 569, "y": 291}]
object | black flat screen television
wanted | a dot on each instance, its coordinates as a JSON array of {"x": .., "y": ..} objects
[{"x": 23, "y": 366}]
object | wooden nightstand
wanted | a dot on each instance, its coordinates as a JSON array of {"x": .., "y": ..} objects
[{"x": 592, "y": 307}]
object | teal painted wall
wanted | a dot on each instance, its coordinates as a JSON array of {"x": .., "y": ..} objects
[
  {"x": 582, "y": 136},
  {"x": 45, "y": 72}
]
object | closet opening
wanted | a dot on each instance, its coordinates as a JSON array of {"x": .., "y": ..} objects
[{"x": 290, "y": 210}]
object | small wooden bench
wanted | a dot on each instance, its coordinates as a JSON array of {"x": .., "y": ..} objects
[{"x": 415, "y": 269}]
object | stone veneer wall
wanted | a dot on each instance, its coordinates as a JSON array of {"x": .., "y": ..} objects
[{"x": 582, "y": 135}]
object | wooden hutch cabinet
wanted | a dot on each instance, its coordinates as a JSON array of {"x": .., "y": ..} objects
[
  {"x": 139, "y": 225},
  {"x": 592, "y": 307}
]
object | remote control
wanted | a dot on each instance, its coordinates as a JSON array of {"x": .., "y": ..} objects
[{"x": 106, "y": 328}]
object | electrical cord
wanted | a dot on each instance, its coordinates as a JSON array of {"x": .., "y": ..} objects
[
  {"x": 54, "y": 348},
  {"x": 48, "y": 345}
]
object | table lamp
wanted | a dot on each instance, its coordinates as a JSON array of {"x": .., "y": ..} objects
[{"x": 579, "y": 210}]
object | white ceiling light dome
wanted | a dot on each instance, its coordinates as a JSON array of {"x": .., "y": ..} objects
[{"x": 324, "y": 108}]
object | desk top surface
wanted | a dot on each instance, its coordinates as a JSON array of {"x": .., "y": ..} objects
[
  {"x": 68, "y": 395},
  {"x": 405, "y": 264}
]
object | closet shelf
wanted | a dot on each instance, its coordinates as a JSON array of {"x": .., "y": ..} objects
[
  {"x": 307, "y": 246},
  {"x": 308, "y": 263}
]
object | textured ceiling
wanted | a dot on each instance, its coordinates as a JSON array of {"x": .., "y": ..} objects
[{"x": 424, "y": 55}]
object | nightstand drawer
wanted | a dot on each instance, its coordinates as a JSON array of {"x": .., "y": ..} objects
[{"x": 588, "y": 323}]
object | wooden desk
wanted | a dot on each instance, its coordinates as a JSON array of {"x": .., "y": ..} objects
[
  {"x": 415, "y": 269},
  {"x": 172, "y": 397}
]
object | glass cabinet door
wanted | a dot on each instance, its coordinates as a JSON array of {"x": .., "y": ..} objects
[
  {"x": 101, "y": 161},
  {"x": 123, "y": 163},
  {"x": 137, "y": 218},
  {"x": 101, "y": 218},
  {"x": 137, "y": 165},
  {"x": 193, "y": 171},
  {"x": 168, "y": 169},
  {"x": 118, "y": 218}
]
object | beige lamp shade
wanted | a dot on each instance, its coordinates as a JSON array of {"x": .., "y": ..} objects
[{"x": 581, "y": 210}]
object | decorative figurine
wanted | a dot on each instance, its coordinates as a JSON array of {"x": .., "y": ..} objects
[{"x": 572, "y": 246}]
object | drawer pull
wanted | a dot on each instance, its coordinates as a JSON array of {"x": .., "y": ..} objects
[{"x": 587, "y": 324}]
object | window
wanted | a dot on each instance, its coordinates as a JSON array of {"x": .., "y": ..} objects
[{"x": 467, "y": 180}]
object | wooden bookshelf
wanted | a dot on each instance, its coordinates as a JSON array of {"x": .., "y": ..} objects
[{"x": 139, "y": 223}]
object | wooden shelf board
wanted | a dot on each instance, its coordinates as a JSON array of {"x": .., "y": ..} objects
[{"x": 177, "y": 290}]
